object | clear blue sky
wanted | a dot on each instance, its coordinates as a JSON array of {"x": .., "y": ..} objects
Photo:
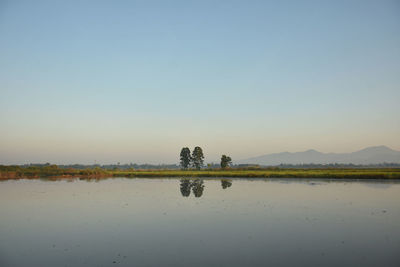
[{"x": 134, "y": 81}]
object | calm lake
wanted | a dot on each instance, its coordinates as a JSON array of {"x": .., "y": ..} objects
[{"x": 208, "y": 222}]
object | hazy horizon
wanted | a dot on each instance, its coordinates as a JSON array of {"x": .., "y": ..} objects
[
  {"x": 86, "y": 82},
  {"x": 207, "y": 159}
]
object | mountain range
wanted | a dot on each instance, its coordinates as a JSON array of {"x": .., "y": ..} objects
[{"x": 369, "y": 155}]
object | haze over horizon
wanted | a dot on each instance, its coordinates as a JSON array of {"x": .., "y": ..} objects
[{"x": 136, "y": 81}]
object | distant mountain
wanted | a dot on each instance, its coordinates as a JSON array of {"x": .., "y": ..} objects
[{"x": 369, "y": 155}]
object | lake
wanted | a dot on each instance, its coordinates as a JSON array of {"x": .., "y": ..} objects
[{"x": 208, "y": 222}]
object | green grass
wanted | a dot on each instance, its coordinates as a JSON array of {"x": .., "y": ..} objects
[
  {"x": 16, "y": 172},
  {"x": 276, "y": 173}
]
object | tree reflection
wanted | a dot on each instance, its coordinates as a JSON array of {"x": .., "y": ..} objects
[
  {"x": 185, "y": 187},
  {"x": 226, "y": 183},
  {"x": 197, "y": 187}
]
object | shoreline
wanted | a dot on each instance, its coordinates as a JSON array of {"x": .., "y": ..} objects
[{"x": 57, "y": 173}]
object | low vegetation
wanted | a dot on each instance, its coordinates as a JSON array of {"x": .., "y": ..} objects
[
  {"x": 16, "y": 172},
  {"x": 271, "y": 173}
]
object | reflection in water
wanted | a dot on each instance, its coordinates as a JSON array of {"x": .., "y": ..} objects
[
  {"x": 126, "y": 221},
  {"x": 226, "y": 183},
  {"x": 197, "y": 186},
  {"x": 185, "y": 187}
]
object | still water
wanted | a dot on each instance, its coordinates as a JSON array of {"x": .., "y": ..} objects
[{"x": 208, "y": 222}]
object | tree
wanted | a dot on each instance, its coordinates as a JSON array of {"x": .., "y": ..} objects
[
  {"x": 185, "y": 158},
  {"x": 225, "y": 161},
  {"x": 197, "y": 158}
]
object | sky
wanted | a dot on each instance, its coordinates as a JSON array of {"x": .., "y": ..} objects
[{"x": 135, "y": 81}]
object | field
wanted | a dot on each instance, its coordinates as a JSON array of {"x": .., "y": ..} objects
[{"x": 17, "y": 172}]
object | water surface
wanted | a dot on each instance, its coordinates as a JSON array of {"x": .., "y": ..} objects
[{"x": 208, "y": 222}]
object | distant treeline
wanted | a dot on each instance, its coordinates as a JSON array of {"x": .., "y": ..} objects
[
  {"x": 109, "y": 166},
  {"x": 338, "y": 165},
  {"x": 210, "y": 166}
]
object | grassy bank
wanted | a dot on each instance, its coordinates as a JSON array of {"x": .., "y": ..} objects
[
  {"x": 276, "y": 173},
  {"x": 17, "y": 172}
]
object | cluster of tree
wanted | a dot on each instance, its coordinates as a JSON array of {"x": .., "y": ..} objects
[{"x": 195, "y": 160}]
